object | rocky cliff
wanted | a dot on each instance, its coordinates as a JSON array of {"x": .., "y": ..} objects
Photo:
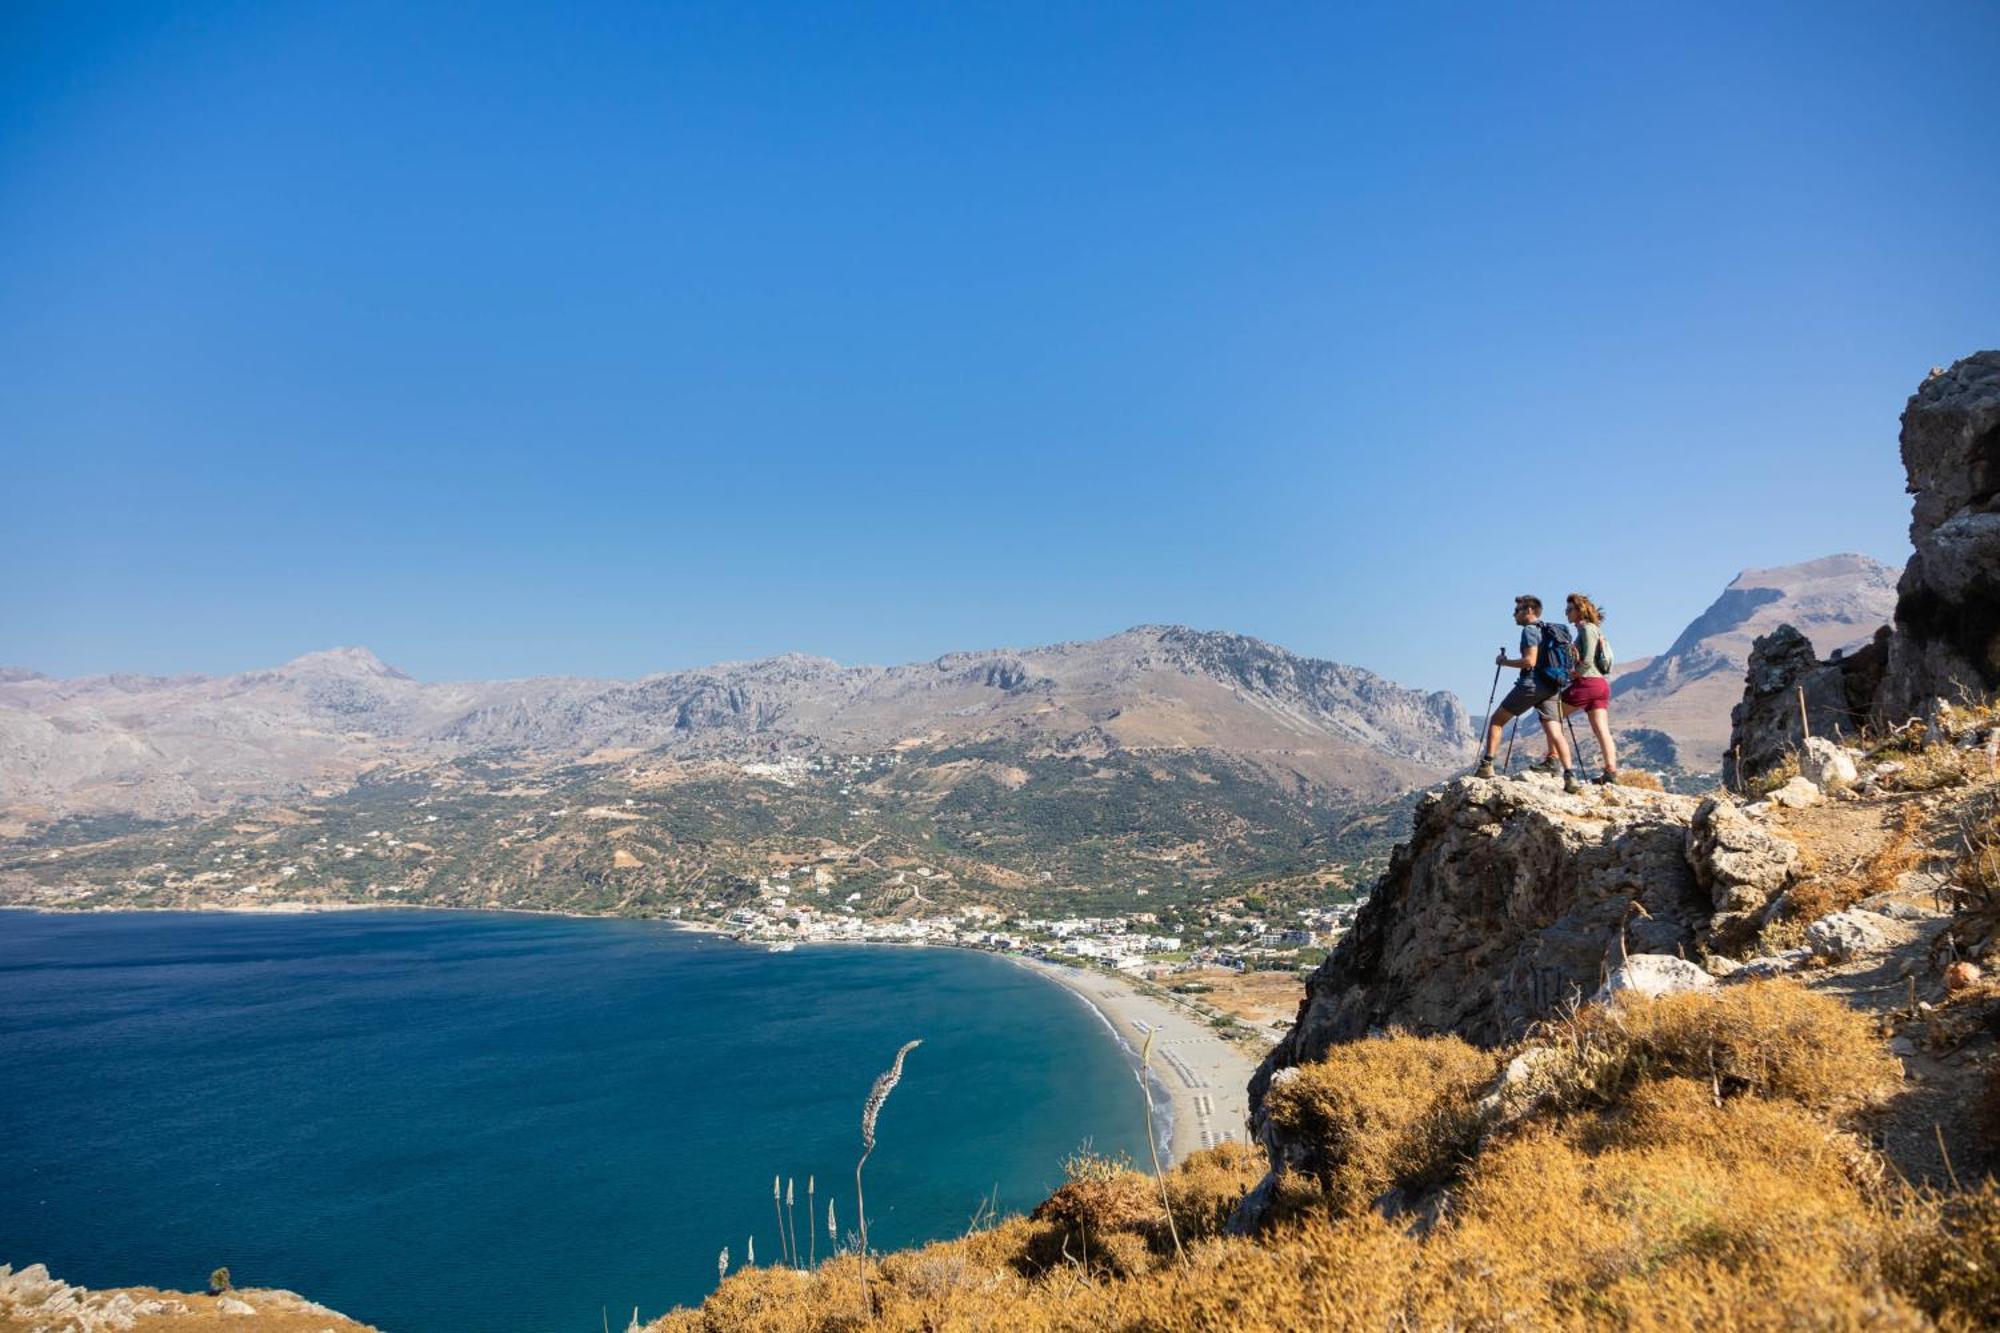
[
  {"x": 1508, "y": 898},
  {"x": 1944, "y": 644},
  {"x": 1947, "y": 639}
]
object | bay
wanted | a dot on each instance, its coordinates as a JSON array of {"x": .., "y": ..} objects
[{"x": 447, "y": 1121}]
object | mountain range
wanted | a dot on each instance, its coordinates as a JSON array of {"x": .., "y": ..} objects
[
  {"x": 1183, "y": 764},
  {"x": 166, "y": 747}
]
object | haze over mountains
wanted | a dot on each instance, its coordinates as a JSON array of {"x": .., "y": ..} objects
[{"x": 164, "y": 747}]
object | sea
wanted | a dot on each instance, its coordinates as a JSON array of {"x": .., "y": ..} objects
[{"x": 442, "y": 1122}]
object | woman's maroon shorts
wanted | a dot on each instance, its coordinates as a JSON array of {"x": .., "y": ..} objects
[{"x": 1588, "y": 692}]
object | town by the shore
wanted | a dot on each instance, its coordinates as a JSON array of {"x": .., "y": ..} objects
[{"x": 1205, "y": 1077}]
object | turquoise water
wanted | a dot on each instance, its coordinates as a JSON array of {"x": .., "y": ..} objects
[{"x": 444, "y": 1121}]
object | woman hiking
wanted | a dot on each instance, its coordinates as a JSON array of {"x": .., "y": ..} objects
[{"x": 1590, "y": 692}]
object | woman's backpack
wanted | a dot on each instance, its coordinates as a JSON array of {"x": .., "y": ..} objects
[{"x": 1602, "y": 656}]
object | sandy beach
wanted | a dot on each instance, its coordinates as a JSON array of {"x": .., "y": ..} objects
[{"x": 1206, "y": 1078}]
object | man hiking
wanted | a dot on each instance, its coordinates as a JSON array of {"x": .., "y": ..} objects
[{"x": 1539, "y": 685}]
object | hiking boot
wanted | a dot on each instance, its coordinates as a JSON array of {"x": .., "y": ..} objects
[
  {"x": 1485, "y": 769},
  {"x": 1548, "y": 766},
  {"x": 1608, "y": 778},
  {"x": 1570, "y": 784}
]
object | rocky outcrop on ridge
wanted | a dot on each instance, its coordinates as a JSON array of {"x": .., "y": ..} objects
[
  {"x": 1790, "y": 695},
  {"x": 1510, "y": 898},
  {"x": 1945, "y": 642}
]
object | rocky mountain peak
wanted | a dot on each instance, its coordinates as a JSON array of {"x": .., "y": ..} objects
[
  {"x": 1686, "y": 693},
  {"x": 348, "y": 661}
]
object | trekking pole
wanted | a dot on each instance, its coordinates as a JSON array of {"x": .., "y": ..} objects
[
  {"x": 1486, "y": 720},
  {"x": 1575, "y": 746},
  {"x": 1512, "y": 732}
]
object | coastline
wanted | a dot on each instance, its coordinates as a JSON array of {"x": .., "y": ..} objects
[
  {"x": 1205, "y": 1080},
  {"x": 1199, "y": 1081}
]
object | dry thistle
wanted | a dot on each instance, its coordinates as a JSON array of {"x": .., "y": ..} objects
[
  {"x": 750, "y": 1252},
  {"x": 1152, "y": 1145},
  {"x": 791, "y": 1223},
  {"x": 722, "y": 1265},
  {"x": 777, "y": 1200},
  {"x": 832, "y": 1231},
  {"x": 812, "y": 1246},
  {"x": 885, "y": 1083}
]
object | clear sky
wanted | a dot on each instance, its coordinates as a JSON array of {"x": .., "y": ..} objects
[{"x": 614, "y": 338}]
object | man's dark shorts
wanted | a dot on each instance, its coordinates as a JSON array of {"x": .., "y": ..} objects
[{"x": 1538, "y": 698}]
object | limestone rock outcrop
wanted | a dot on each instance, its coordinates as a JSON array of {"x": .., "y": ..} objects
[
  {"x": 32, "y": 1299},
  {"x": 1785, "y": 675},
  {"x": 1509, "y": 898},
  {"x": 1947, "y": 641},
  {"x": 1741, "y": 868}
]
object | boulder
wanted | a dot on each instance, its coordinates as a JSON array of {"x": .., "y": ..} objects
[
  {"x": 1797, "y": 794},
  {"x": 1653, "y": 975},
  {"x": 1851, "y": 934},
  {"x": 1741, "y": 867},
  {"x": 1826, "y": 765},
  {"x": 1770, "y": 965}
]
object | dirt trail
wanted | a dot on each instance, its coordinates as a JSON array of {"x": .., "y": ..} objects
[{"x": 1903, "y": 847}]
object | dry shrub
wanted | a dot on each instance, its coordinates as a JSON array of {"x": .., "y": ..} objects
[
  {"x": 1206, "y": 1187},
  {"x": 1097, "y": 1218},
  {"x": 1589, "y": 1236},
  {"x": 1977, "y": 869},
  {"x": 1634, "y": 777},
  {"x": 1944, "y": 1253},
  {"x": 1935, "y": 767},
  {"x": 1769, "y": 781},
  {"x": 1395, "y": 1111},
  {"x": 1771, "y": 1039}
]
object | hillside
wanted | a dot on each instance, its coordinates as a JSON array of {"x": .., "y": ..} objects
[
  {"x": 1159, "y": 761},
  {"x": 1686, "y": 692}
]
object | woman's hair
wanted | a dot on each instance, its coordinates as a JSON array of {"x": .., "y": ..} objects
[{"x": 1585, "y": 609}]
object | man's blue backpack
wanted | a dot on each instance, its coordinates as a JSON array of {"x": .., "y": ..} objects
[{"x": 1555, "y": 660}]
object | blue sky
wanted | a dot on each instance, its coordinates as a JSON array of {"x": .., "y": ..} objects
[{"x": 616, "y": 338}]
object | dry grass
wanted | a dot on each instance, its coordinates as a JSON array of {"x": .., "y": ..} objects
[
  {"x": 1769, "y": 1039},
  {"x": 1765, "y": 783},
  {"x": 1644, "y": 781},
  {"x": 1976, "y": 872},
  {"x": 1394, "y": 1112},
  {"x": 1695, "y": 1172},
  {"x": 1206, "y": 1187},
  {"x": 1936, "y": 767},
  {"x": 1945, "y": 1251}
]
